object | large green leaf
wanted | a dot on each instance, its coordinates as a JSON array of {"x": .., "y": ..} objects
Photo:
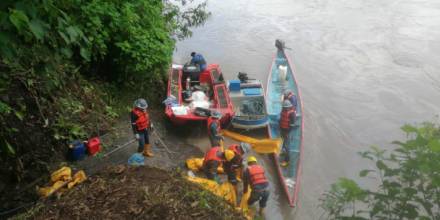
[
  {"x": 381, "y": 165},
  {"x": 73, "y": 33},
  {"x": 19, "y": 20},
  {"x": 38, "y": 28},
  {"x": 9, "y": 148},
  {"x": 364, "y": 173},
  {"x": 409, "y": 128},
  {"x": 85, "y": 53},
  {"x": 4, "y": 108}
]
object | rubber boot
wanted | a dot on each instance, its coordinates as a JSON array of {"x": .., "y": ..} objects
[
  {"x": 261, "y": 212},
  {"x": 147, "y": 150},
  {"x": 236, "y": 194},
  {"x": 238, "y": 174}
]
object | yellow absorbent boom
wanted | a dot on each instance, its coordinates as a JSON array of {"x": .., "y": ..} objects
[
  {"x": 196, "y": 165},
  {"x": 262, "y": 146},
  {"x": 226, "y": 191}
]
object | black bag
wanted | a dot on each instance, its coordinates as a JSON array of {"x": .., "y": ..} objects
[{"x": 204, "y": 112}]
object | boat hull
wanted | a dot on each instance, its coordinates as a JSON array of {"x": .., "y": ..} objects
[
  {"x": 250, "y": 124},
  {"x": 276, "y": 85},
  {"x": 249, "y": 103}
]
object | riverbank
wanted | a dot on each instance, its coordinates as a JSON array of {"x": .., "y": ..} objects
[
  {"x": 123, "y": 192},
  {"x": 170, "y": 149}
]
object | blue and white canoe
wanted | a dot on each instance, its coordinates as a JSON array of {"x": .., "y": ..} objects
[
  {"x": 281, "y": 77},
  {"x": 249, "y": 103}
]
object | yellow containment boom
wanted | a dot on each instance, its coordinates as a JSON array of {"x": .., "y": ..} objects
[
  {"x": 226, "y": 191},
  {"x": 262, "y": 146},
  {"x": 196, "y": 165}
]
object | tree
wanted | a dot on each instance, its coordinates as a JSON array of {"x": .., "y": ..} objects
[{"x": 408, "y": 176}]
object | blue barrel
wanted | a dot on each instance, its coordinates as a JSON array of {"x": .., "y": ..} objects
[{"x": 77, "y": 150}]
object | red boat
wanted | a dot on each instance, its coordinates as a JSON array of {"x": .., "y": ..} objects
[{"x": 183, "y": 108}]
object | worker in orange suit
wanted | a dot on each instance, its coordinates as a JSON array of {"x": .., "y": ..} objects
[{"x": 254, "y": 175}]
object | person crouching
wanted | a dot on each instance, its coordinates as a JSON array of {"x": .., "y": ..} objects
[{"x": 211, "y": 162}]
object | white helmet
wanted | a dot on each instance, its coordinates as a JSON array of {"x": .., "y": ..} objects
[{"x": 141, "y": 103}]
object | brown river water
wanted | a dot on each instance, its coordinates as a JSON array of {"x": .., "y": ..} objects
[{"x": 365, "y": 67}]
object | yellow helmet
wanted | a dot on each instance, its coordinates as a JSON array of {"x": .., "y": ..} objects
[
  {"x": 229, "y": 154},
  {"x": 251, "y": 159}
]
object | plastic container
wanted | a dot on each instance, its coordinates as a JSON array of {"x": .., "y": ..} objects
[
  {"x": 77, "y": 150},
  {"x": 234, "y": 85},
  {"x": 93, "y": 146}
]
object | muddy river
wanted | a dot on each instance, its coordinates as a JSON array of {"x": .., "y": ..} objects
[{"x": 365, "y": 67}]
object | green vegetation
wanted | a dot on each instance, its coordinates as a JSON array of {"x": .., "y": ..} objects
[
  {"x": 409, "y": 181},
  {"x": 66, "y": 65}
]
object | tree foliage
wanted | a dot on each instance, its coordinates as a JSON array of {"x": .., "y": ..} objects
[
  {"x": 409, "y": 181},
  {"x": 63, "y": 62},
  {"x": 47, "y": 46}
]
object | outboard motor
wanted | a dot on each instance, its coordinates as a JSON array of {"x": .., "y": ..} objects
[
  {"x": 280, "y": 44},
  {"x": 243, "y": 77},
  {"x": 192, "y": 71},
  {"x": 191, "y": 68}
]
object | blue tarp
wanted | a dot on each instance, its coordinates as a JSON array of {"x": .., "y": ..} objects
[{"x": 137, "y": 159}]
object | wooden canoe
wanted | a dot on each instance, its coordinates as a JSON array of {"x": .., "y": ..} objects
[{"x": 290, "y": 175}]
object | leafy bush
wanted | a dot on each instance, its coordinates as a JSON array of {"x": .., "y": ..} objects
[
  {"x": 409, "y": 181},
  {"x": 46, "y": 45}
]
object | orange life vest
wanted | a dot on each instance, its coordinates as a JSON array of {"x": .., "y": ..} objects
[
  {"x": 256, "y": 174},
  {"x": 213, "y": 154},
  {"x": 143, "y": 120},
  {"x": 210, "y": 121},
  {"x": 285, "y": 118}
]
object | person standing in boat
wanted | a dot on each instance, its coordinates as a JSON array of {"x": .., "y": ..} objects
[
  {"x": 141, "y": 124},
  {"x": 287, "y": 123},
  {"x": 214, "y": 128},
  {"x": 289, "y": 95}
]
